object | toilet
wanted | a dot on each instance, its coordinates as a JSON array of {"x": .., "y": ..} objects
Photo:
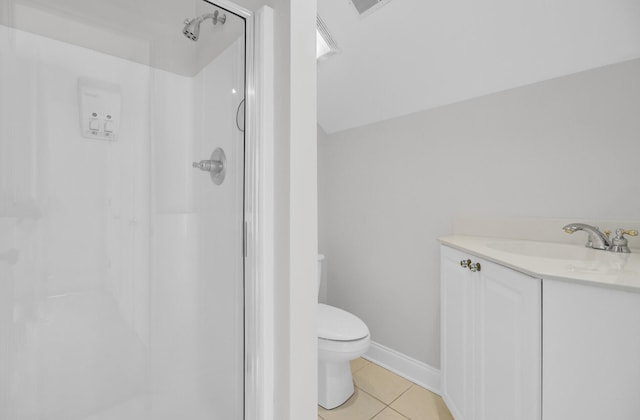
[{"x": 342, "y": 337}]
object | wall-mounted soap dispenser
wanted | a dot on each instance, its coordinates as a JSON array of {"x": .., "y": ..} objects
[{"x": 99, "y": 104}]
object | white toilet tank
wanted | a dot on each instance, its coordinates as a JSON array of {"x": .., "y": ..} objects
[{"x": 319, "y": 279}]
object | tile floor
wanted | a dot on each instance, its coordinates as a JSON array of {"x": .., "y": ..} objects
[{"x": 383, "y": 395}]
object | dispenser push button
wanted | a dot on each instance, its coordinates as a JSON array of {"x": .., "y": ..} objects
[{"x": 94, "y": 124}]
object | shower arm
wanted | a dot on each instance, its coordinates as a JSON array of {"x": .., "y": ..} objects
[{"x": 215, "y": 18}]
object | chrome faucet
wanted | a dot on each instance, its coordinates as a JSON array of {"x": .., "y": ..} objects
[{"x": 597, "y": 239}]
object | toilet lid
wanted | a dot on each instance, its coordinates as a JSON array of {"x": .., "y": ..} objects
[{"x": 336, "y": 324}]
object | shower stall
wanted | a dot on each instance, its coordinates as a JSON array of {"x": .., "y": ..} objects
[{"x": 122, "y": 209}]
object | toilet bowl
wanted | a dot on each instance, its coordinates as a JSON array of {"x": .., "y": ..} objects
[{"x": 342, "y": 337}]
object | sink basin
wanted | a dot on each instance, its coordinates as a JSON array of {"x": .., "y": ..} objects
[{"x": 544, "y": 250}]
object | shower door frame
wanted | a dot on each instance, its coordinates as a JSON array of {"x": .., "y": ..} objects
[
  {"x": 259, "y": 218},
  {"x": 258, "y": 226}
]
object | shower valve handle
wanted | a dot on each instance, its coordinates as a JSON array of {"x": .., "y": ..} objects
[
  {"x": 213, "y": 166},
  {"x": 216, "y": 166}
]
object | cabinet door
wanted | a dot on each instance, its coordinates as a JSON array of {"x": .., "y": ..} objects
[
  {"x": 508, "y": 345},
  {"x": 591, "y": 339},
  {"x": 457, "y": 334}
]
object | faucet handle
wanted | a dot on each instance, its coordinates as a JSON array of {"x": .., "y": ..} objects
[
  {"x": 607, "y": 232},
  {"x": 620, "y": 243}
]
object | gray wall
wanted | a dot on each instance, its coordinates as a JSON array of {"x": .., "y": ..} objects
[
  {"x": 322, "y": 228},
  {"x": 565, "y": 148}
]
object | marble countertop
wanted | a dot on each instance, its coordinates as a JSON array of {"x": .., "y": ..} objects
[{"x": 555, "y": 261}]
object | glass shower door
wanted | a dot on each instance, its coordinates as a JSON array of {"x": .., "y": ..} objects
[{"x": 121, "y": 265}]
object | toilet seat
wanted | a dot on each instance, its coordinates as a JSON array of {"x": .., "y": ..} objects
[{"x": 337, "y": 325}]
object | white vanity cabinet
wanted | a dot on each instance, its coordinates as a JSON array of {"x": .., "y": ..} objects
[
  {"x": 491, "y": 340},
  {"x": 457, "y": 335},
  {"x": 591, "y": 346}
]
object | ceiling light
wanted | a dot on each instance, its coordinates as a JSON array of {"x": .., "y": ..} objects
[{"x": 325, "y": 45}]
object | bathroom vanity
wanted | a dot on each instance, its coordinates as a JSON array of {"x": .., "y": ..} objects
[{"x": 534, "y": 330}]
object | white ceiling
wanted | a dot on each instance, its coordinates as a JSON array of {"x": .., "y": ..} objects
[{"x": 413, "y": 55}]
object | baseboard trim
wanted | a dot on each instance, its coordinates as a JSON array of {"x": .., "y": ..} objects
[{"x": 409, "y": 368}]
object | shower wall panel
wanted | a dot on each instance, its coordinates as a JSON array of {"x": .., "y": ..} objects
[
  {"x": 78, "y": 215},
  {"x": 218, "y": 101},
  {"x": 197, "y": 289}
]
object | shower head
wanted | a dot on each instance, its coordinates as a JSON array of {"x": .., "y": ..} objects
[
  {"x": 192, "y": 26},
  {"x": 191, "y": 29}
]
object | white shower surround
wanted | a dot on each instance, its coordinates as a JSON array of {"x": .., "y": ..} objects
[{"x": 179, "y": 221}]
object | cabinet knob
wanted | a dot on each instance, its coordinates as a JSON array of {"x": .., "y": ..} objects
[
  {"x": 475, "y": 267},
  {"x": 465, "y": 263}
]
